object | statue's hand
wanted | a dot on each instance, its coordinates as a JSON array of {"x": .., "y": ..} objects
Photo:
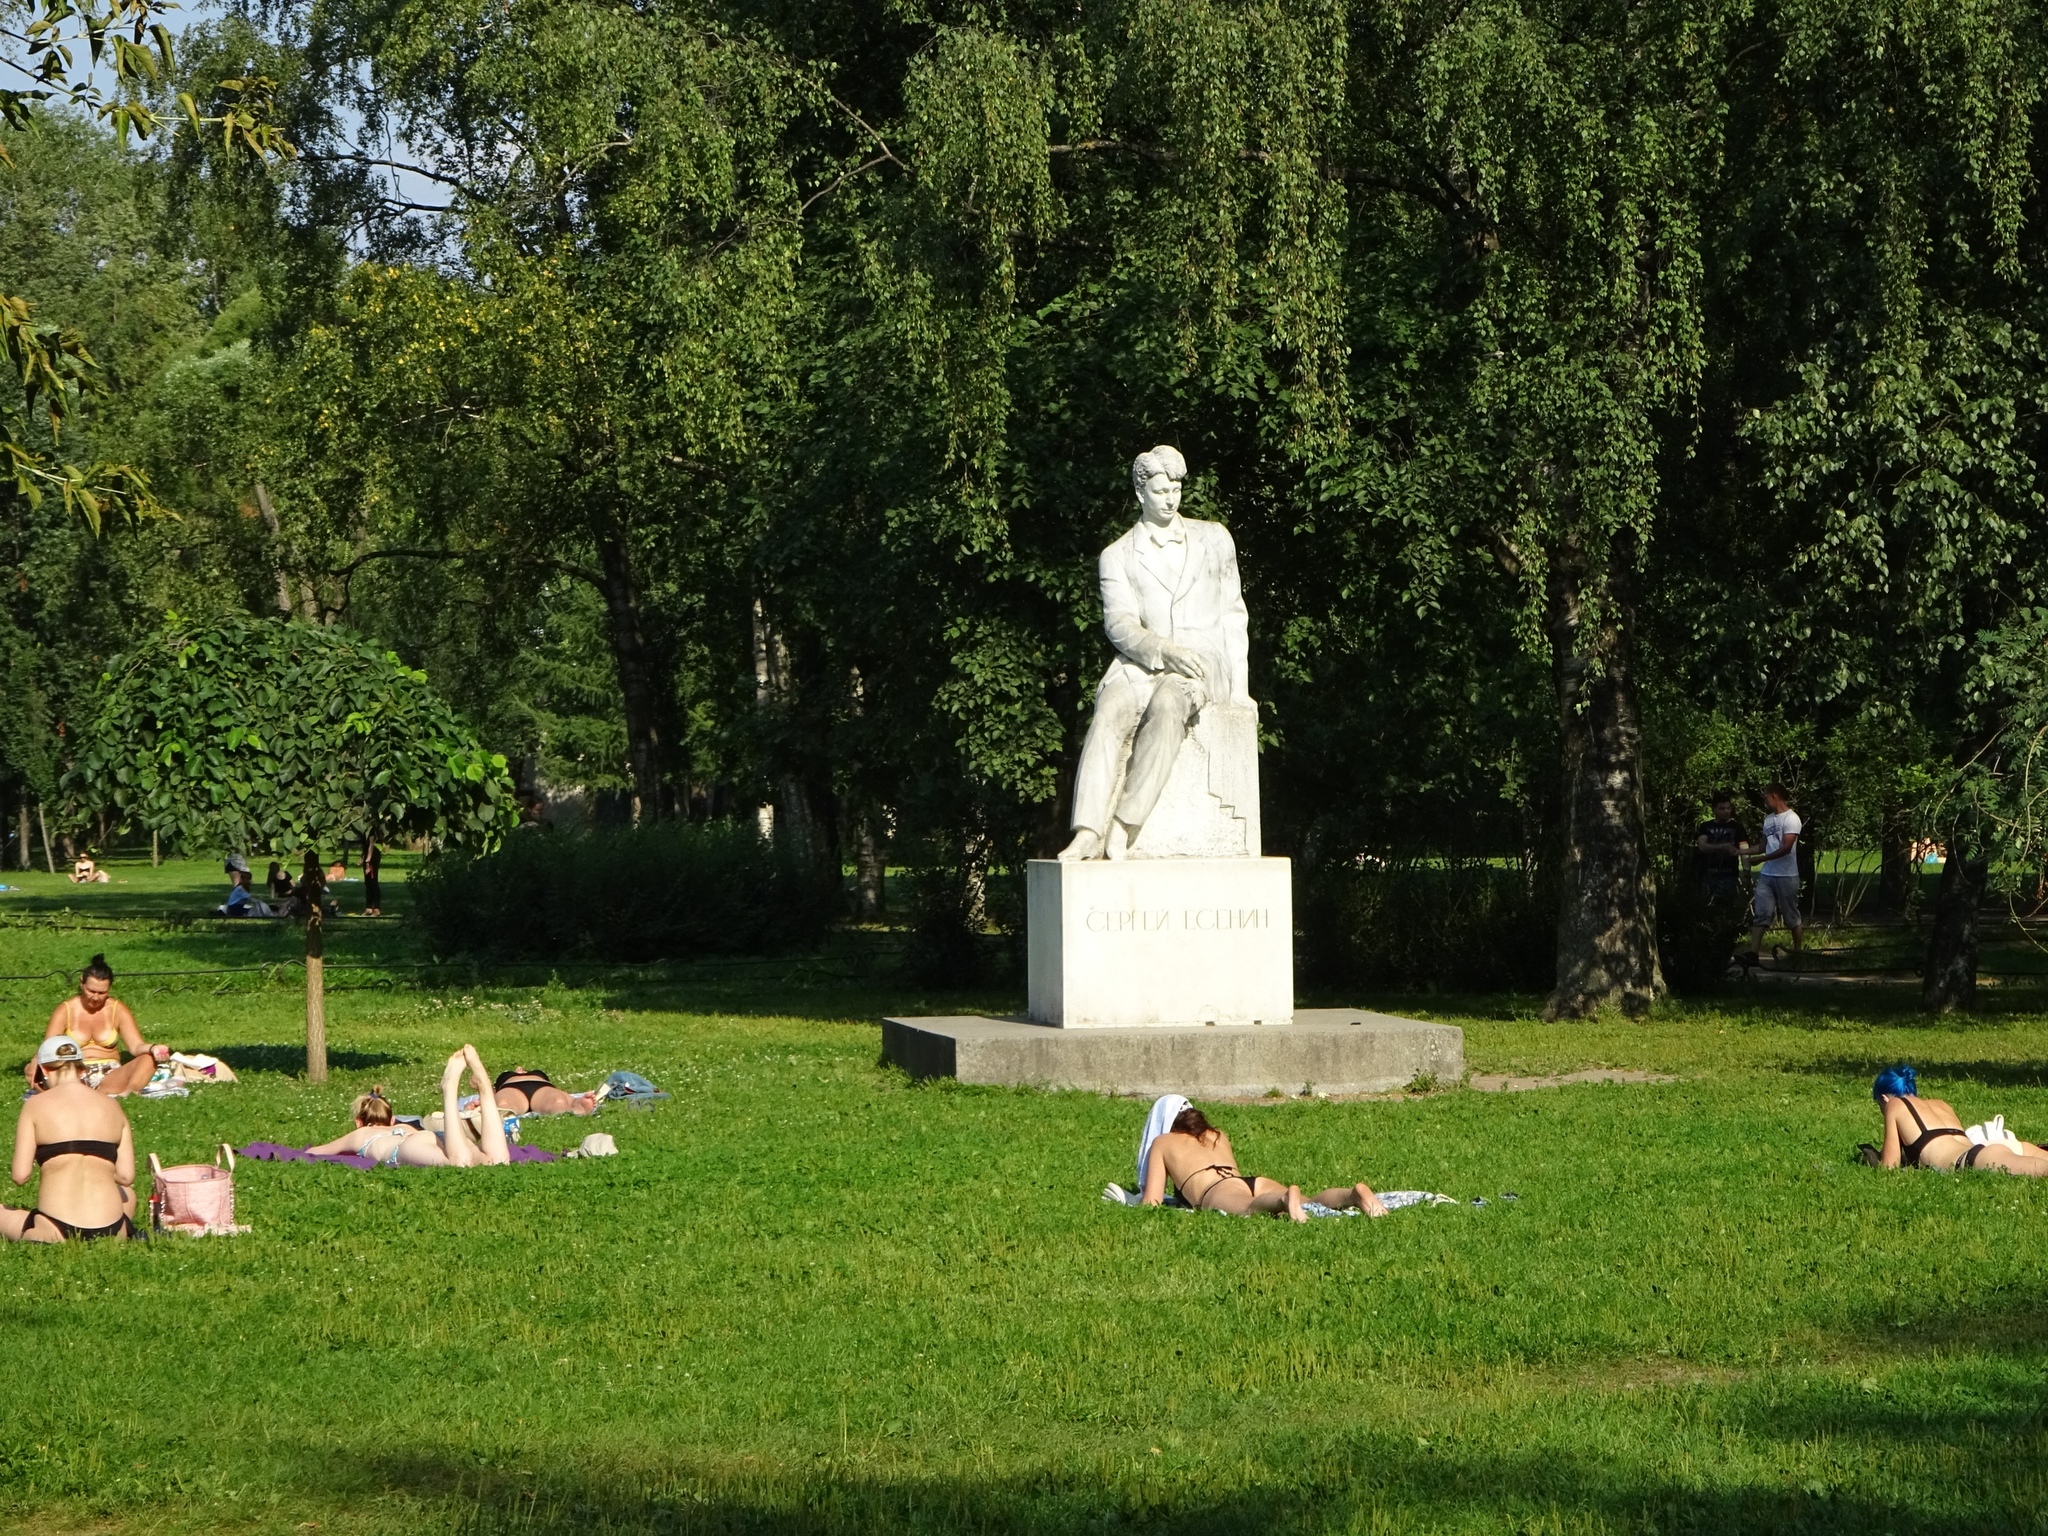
[{"x": 1183, "y": 660}]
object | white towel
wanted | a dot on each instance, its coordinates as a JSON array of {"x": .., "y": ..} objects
[
  {"x": 1165, "y": 1110},
  {"x": 1992, "y": 1133}
]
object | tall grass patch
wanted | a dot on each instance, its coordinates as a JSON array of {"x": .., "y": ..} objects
[{"x": 666, "y": 891}]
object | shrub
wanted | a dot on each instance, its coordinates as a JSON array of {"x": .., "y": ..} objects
[
  {"x": 1696, "y": 931},
  {"x": 1464, "y": 927},
  {"x": 666, "y": 891},
  {"x": 966, "y": 926}
]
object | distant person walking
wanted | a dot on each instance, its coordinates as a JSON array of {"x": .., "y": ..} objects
[
  {"x": 373, "y": 884},
  {"x": 1720, "y": 844},
  {"x": 1777, "y": 877}
]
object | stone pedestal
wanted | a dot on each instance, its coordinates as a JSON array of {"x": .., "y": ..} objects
[
  {"x": 1161, "y": 943},
  {"x": 1324, "y": 1051}
]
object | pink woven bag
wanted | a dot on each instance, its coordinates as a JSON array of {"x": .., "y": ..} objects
[{"x": 191, "y": 1195}]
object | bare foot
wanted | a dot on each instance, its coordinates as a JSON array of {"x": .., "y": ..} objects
[
  {"x": 1368, "y": 1202},
  {"x": 451, "y": 1075},
  {"x": 476, "y": 1066},
  {"x": 1294, "y": 1211},
  {"x": 1087, "y": 844},
  {"x": 583, "y": 1103}
]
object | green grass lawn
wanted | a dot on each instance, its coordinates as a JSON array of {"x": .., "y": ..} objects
[{"x": 811, "y": 1296}]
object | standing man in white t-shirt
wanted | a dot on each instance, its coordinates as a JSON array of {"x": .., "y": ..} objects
[{"x": 1777, "y": 877}]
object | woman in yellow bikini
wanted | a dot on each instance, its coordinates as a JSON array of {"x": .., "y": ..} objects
[{"x": 101, "y": 1026}]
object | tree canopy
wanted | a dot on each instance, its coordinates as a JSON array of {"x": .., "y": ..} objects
[
  {"x": 726, "y": 401},
  {"x": 268, "y": 736}
]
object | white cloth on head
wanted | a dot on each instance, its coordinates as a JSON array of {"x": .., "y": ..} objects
[
  {"x": 1165, "y": 1110},
  {"x": 1992, "y": 1133}
]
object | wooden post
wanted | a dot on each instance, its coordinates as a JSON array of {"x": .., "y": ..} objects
[
  {"x": 43, "y": 821},
  {"x": 313, "y": 888},
  {"x": 156, "y": 855}
]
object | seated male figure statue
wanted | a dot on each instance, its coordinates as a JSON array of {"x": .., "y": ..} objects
[{"x": 1174, "y": 610}]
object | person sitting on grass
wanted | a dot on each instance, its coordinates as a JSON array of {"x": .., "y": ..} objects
[
  {"x": 1195, "y": 1157},
  {"x": 1927, "y": 1133},
  {"x": 279, "y": 882},
  {"x": 242, "y": 901},
  {"x": 85, "y": 872},
  {"x": 101, "y": 1026},
  {"x": 378, "y": 1138},
  {"x": 82, "y": 1142},
  {"x": 525, "y": 1091}
]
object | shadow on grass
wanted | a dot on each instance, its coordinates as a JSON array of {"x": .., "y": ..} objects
[
  {"x": 1369, "y": 1484},
  {"x": 290, "y": 1060},
  {"x": 1933, "y": 1071}
]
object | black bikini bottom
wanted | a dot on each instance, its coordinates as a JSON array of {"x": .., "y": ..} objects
[{"x": 123, "y": 1228}]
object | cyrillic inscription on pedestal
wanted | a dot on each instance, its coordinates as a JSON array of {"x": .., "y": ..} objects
[{"x": 1122, "y": 944}]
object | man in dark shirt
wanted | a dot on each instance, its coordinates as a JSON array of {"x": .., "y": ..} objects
[{"x": 1717, "y": 843}]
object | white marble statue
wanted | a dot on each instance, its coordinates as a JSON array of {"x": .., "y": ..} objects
[{"x": 1170, "y": 766}]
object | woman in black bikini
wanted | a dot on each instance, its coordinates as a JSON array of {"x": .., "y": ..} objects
[
  {"x": 1195, "y": 1157},
  {"x": 82, "y": 1143},
  {"x": 1927, "y": 1133},
  {"x": 523, "y": 1091}
]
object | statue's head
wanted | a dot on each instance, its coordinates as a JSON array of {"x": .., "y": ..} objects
[{"x": 1156, "y": 477}]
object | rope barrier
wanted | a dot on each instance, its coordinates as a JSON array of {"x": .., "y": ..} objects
[{"x": 443, "y": 965}]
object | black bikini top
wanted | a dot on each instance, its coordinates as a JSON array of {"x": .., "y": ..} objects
[{"x": 110, "y": 1150}]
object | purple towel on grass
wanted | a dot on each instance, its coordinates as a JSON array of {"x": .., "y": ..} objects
[{"x": 276, "y": 1152}]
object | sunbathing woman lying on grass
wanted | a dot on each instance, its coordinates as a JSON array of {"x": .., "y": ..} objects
[
  {"x": 1195, "y": 1157},
  {"x": 527, "y": 1091},
  {"x": 378, "y": 1138},
  {"x": 1927, "y": 1133}
]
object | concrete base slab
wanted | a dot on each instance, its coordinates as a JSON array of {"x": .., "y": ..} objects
[{"x": 1325, "y": 1050}]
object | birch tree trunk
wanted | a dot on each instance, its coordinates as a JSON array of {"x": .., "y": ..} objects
[
  {"x": 1949, "y": 980},
  {"x": 1607, "y": 922},
  {"x": 639, "y": 684}
]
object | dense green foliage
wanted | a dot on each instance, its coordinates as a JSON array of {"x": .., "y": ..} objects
[
  {"x": 725, "y": 401},
  {"x": 639, "y": 893},
  {"x": 810, "y": 1297},
  {"x": 263, "y": 736}
]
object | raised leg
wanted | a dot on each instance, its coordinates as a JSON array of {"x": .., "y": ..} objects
[
  {"x": 132, "y": 1074},
  {"x": 492, "y": 1131},
  {"x": 455, "y": 1143}
]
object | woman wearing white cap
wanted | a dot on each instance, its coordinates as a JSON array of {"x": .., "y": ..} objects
[{"x": 81, "y": 1141}]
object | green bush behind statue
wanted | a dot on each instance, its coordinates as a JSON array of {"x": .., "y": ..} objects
[{"x": 672, "y": 890}]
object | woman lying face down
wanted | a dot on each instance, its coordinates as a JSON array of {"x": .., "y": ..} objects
[
  {"x": 1195, "y": 1158},
  {"x": 1927, "y": 1133},
  {"x": 377, "y": 1136}
]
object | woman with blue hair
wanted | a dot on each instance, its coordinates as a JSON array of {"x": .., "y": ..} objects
[{"x": 1927, "y": 1133}]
